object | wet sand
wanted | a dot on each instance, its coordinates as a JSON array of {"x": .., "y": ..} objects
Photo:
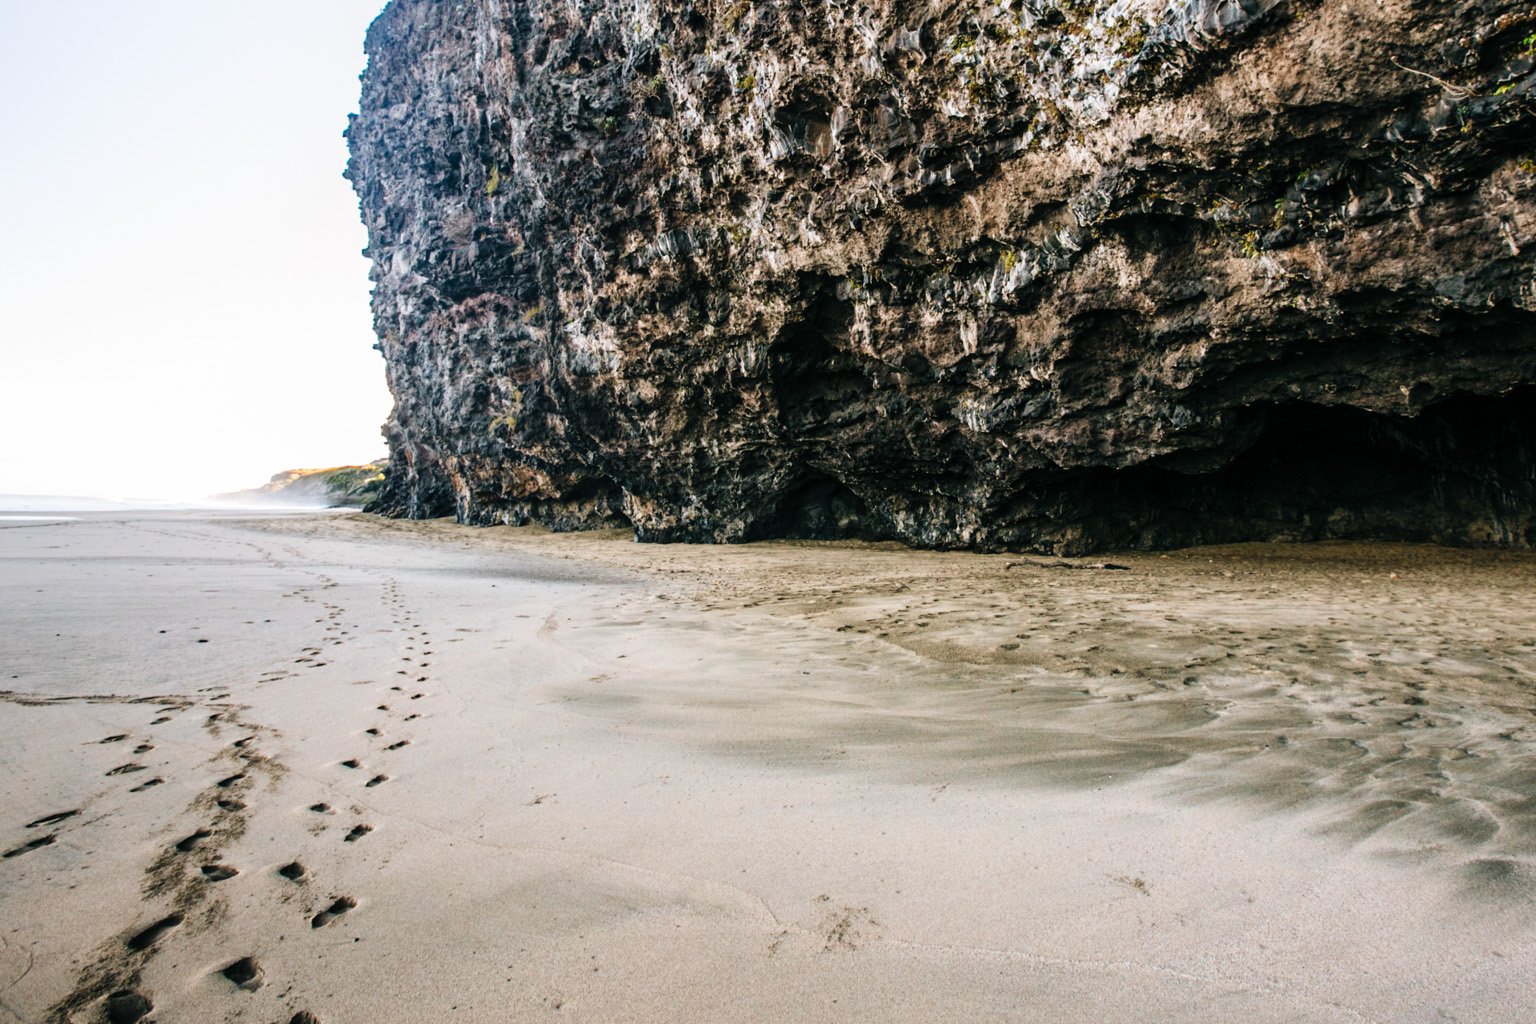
[{"x": 262, "y": 766}]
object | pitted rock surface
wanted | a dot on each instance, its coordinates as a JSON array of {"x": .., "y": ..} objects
[{"x": 1045, "y": 274}]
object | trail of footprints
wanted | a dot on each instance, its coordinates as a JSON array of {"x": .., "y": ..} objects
[
  {"x": 190, "y": 868},
  {"x": 182, "y": 875}
]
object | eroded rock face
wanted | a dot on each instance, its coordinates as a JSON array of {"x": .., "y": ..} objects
[{"x": 1055, "y": 275}]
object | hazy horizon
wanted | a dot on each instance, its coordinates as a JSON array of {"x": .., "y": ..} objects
[{"x": 184, "y": 300}]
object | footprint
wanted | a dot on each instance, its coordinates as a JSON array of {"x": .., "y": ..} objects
[
  {"x": 126, "y": 769},
  {"x": 304, "y": 1017},
  {"x": 293, "y": 871},
  {"x": 159, "y": 721},
  {"x": 114, "y": 739},
  {"x": 351, "y": 762},
  {"x": 322, "y": 808},
  {"x": 398, "y": 744},
  {"x": 143, "y": 748},
  {"x": 150, "y": 784},
  {"x": 149, "y": 936},
  {"x": 332, "y": 912},
  {"x": 242, "y": 744},
  {"x": 189, "y": 844},
  {"x": 358, "y": 831},
  {"x": 52, "y": 819},
  {"x": 375, "y": 781},
  {"x": 232, "y": 805},
  {"x": 219, "y": 872},
  {"x": 128, "y": 1007},
  {"x": 36, "y": 844},
  {"x": 375, "y": 732},
  {"x": 245, "y": 973},
  {"x": 226, "y": 783}
]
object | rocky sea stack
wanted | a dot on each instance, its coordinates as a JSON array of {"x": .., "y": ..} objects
[{"x": 1042, "y": 274}]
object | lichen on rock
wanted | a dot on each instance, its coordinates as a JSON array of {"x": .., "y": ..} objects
[{"x": 1047, "y": 274}]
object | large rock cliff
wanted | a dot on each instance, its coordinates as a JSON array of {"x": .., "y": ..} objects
[{"x": 1052, "y": 274}]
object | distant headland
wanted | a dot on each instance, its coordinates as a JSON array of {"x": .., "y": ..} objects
[{"x": 344, "y": 486}]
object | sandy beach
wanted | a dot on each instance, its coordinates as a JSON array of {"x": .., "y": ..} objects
[{"x": 326, "y": 767}]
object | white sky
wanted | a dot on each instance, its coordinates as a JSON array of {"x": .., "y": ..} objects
[{"x": 183, "y": 305}]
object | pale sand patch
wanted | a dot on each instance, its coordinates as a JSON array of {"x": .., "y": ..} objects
[{"x": 420, "y": 772}]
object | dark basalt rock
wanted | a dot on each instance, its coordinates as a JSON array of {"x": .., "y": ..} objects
[{"x": 1053, "y": 274}]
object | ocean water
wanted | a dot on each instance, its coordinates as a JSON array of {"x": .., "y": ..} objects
[
  {"x": 24, "y": 504},
  {"x": 18, "y": 509}
]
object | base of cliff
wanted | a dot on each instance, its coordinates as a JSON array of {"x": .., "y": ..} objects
[{"x": 1461, "y": 472}]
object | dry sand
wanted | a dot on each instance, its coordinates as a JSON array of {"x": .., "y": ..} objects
[{"x": 417, "y": 772}]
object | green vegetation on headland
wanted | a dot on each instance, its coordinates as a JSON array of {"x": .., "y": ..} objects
[{"x": 343, "y": 486}]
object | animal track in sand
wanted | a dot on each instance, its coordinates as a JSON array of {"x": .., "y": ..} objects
[
  {"x": 114, "y": 739},
  {"x": 149, "y": 936},
  {"x": 293, "y": 871},
  {"x": 126, "y": 769},
  {"x": 377, "y": 780},
  {"x": 226, "y": 783},
  {"x": 148, "y": 784},
  {"x": 304, "y": 1017},
  {"x": 52, "y": 819},
  {"x": 352, "y": 762},
  {"x": 128, "y": 1007},
  {"x": 232, "y": 805},
  {"x": 375, "y": 731},
  {"x": 36, "y": 844},
  {"x": 245, "y": 973},
  {"x": 189, "y": 844},
  {"x": 322, "y": 808},
  {"x": 219, "y": 872},
  {"x": 341, "y": 905},
  {"x": 398, "y": 744},
  {"x": 358, "y": 831}
]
